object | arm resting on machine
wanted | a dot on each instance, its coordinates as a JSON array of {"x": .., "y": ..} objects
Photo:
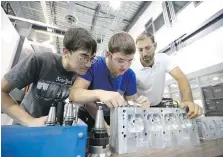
[{"x": 10, "y": 106}]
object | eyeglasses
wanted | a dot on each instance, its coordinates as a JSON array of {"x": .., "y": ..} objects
[
  {"x": 121, "y": 61},
  {"x": 148, "y": 48},
  {"x": 85, "y": 59}
]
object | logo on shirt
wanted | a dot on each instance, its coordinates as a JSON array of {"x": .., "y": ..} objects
[
  {"x": 65, "y": 81},
  {"x": 48, "y": 90}
]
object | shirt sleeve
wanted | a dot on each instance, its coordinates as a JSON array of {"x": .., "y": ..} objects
[
  {"x": 25, "y": 72},
  {"x": 131, "y": 86},
  {"x": 170, "y": 63},
  {"x": 89, "y": 75}
]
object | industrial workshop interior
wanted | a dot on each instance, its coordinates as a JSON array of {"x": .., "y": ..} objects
[{"x": 112, "y": 78}]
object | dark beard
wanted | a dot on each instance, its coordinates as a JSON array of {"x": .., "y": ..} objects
[{"x": 147, "y": 63}]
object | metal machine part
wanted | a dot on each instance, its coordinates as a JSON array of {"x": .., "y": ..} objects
[
  {"x": 60, "y": 112},
  {"x": 69, "y": 115},
  {"x": 169, "y": 103},
  {"x": 134, "y": 128},
  {"x": 51, "y": 119},
  {"x": 76, "y": 114},
  {"x": 99, "y": 141},
  {"x": 210, "y": 127}
]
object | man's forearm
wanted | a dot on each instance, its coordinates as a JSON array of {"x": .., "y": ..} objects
[
  {"x": 84, "y": 96},
  {"x": 185, "y": 90},
  {"x": 11, "y": 108}
]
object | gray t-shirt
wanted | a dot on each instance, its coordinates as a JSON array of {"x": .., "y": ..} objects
[{"x": 50, "y": 82}]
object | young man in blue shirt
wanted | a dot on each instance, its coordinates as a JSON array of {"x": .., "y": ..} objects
[{"x": 109, "y": 80}]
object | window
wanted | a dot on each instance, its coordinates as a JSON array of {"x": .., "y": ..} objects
[
  {"x": 179, "y": 5},
  {"x": 149, "y": 27},
  {"x": 159, "y": 22}
]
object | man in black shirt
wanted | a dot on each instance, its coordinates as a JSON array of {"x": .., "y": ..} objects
[{"x": 50, "y": 75}]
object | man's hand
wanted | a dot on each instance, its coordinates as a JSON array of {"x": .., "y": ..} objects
[
  {"x": 111, "y": 99},
  {"x": 194, "y": 109},
  {"x": 143, "y": 101},
  {"x": 37, "y": 122}
]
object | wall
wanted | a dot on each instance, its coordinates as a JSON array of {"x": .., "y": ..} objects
[
  {"x": 187, "y": 20},
  {"x": 201, "y": 54},
  {"x": 9, "y": 43},
  {"x": 153, "y": 11},
  {"x": 205, "y": 52}
]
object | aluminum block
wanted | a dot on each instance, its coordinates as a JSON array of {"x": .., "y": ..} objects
[
  {"x": 134, "y": 128},
  {"x": 210, "y": 127}
]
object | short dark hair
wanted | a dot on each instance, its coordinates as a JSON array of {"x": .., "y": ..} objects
[
  {"x": 122, "y": 42},
  {"x": 145, "y": 35},
  {"x": 79, "y": 38}
]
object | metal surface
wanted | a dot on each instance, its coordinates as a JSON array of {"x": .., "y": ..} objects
[
  {"x": 76, "y": 113},
  {"x": 55, "y": 141},
  {"x": 134, "y": 128},
  {"x": 51, "y": 119},
  {"x": 69, "y": 115},
  {"x": 210, "y": 127},
  {"x": 99, "y": 121},
  {"x": 99, "y": 140}
]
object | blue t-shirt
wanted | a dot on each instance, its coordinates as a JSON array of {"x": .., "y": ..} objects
[{"x": 101, "y": 78}]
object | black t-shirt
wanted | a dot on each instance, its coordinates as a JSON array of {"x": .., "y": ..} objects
[{"x": 50, "y": 82}]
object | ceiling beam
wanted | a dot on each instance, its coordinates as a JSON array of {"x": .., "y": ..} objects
[
  {"x": 101, "y": 12},
  {"x": 139, "y": 12},
  {"x": 35, "y": 22},
  {"x": 97, "y": 10},
  {"x": 7, "y": 8},
  {"x": 45, "y": 13}
]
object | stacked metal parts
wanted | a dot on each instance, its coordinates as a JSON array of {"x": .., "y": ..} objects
[
  {"x": 99, "y": 141},
  {"x": 134, "y": 128},
  {"x": 210, "y": 127},
  {"x": 70, "y": 115}
]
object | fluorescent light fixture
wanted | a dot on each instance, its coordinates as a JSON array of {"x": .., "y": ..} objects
[{"x": 114, "y": 4}]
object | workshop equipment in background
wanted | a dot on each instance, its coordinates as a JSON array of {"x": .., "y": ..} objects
[
  {"x": 213, "y": 99},
  {"x": 135, "y": 128},
  {"x": 54, "y": 141},
  {"x": 210, "y": 127},
  {"x": 99, "y": 140}
]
